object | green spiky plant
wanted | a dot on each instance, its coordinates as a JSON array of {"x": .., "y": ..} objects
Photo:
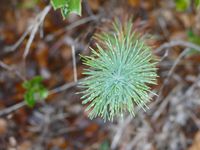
[{"x": 119, "y": 73}]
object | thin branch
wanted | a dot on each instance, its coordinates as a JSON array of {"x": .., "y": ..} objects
[
  {"x": 120, "y": 131},
  {"x": 73, "y": 25},
  {"x": 13, "y": 108},
  {"x": 11, "y": 69},
  {"x": 135, "y": 140},
  {"x": 168, "y": 45},
  {"x": 21, "y": 39},
  {"x": 171, "y": 71},
  {"x": 63, "y": 87},
  {"x": 38, "y": 21},
  {"x": 74, "y": 63},
  {"x": 32, "y": 29},
  {"x": 19, "y": 105},
  {"x": 178, "y": 43},
  {"x": 30, "y": 40}
]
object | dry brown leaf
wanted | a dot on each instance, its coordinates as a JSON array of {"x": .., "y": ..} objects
[
  {"x": 3, "y": 126},
  {"x": 134, "y": 3},
  {"x": 91, "y": 129},
  {"x": 94, "y": 4},
  {"x": 196, "y": 142}
]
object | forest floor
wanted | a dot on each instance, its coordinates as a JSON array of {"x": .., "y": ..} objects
[{"x": 172, "y": 121}]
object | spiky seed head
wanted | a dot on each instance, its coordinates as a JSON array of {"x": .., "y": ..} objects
[{"x": 118, "y": 73}]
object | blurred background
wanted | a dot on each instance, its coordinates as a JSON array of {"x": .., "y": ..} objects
[{"x": 172, "y": 121}]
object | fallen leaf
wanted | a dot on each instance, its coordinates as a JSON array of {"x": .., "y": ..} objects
[
  {"x": 134, "y": 3},
  {"x": 196, "y": 142},
  {"x": 3, "y": 126}
]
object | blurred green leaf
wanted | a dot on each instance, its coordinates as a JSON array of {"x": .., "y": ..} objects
[
  {"x": 75, "y": 6},
  {"x": 34, "y": 91},
  {"x": 194, "y": 38},
  {"x": 59, "y": 3},
  {"x": 105, "y": 145},
  {"x": 29, "y": 98},
  {"x": 67, "y": 6},
  {"x": 182, "y": 5},
  {"x": 43, "y": 93},
  {"x": 197, "y": 3}
]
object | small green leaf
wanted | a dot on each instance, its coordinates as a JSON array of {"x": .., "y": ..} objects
[
  {"x": 34, "y": 91},
  {"x": 194, "y": 38},
  {"x": 75, "y": 6},
  {"x": 29, "y": 98},
  {"x": 26, "y": 85},
  {"x": 104, "y": 145},
  {"x": 197, "y": 3},
  {"x": 182, "y": 5},
  {"x": 58, "y": 3},
  {"x": 65, "y": 11},
  {"x": 43, "y": 92},
  {"x": 67, "y": 6}
]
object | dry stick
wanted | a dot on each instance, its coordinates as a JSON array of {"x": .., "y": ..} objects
[
  {"x": 195, "y": 118},
  {"x": 73, "y": 25},
  {"x": 173, "y": 44},
  {"x": 167, "y": 46},
  {"x": 38, "y": 21},
  {"x": 17, "y": 73},
  {"x": 30, "y": 40},
  {"x": 82, "y": 21},
  {"x": 16, "y": 45},
  {"x": 122, "y": 127},
  {"x": 163, "y": 105},
  {"x": 178, "y": 43},
  {"x": 120, "y": 131},
  {"x": 12, "y": 108},
  {"x": 74, "y": 63},
  {"x": 64, "y": 87},
  {"x": 172, "y": 70},
  {"x": 139, "y": 136},
  {"x": 189, "y": 93},
  {"x": 23, "y": 103}
]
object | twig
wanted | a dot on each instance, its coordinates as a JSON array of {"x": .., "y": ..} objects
[
  {"x": 12, "y": 108},
  {"x": 19, "y": 105},
  {"x": 74, "y": 64},
  {"x": 165, "y": 55},
  {"x": 178, "y": 43},
  {"x": 82, "y": 21},
  {"x": 73, "y": 25},
  {"x": 17, "y": 44},
  {"x": 5, "y": 66},
  {"x": 168, "y": 45},
  {"x": 38, "y": 21},
  {"x": 63, "y": 87},
  {"x": 122, "y": 126},
  {"x": 182, "y": 54},
  {"x": 32, "y": 29},
  {"x": 134, "y": 141},
  {"x": 120, "y": 130},
  {"x": 163, "y": 105}
]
